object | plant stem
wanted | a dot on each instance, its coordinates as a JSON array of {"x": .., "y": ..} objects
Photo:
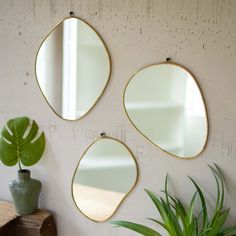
[{"x": 19, "y": 165}]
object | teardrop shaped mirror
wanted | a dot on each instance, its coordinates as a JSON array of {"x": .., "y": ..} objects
[
  {"x": 72, "y": 68},
  {"x": 165, "y": 104},
  {"x": 105, "y": 175}
]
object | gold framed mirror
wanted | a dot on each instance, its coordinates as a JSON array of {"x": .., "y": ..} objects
[
  {"x": 165, "y": 104},
  {"x": 105, "y": 175},
  {"x": 72, "y": 68}
]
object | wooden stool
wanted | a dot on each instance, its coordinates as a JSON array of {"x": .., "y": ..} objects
[{"x": 41, "y": 223}]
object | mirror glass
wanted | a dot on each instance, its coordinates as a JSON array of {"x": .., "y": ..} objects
[
  {"x": 105, "y": 175},
  {"x": 72, "y": 68},
  {"x": 165, "y": 104}
]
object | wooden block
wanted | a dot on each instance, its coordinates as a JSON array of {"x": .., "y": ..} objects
[
  {"x": 7, "y": 219},
  {"x": 40, "y": 223},
  {"x": 7, "y": 213}
]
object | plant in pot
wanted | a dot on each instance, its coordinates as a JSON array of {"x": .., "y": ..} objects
[
  {"x": 21, "y": 143},
  {"x": 179, "y": 219}
]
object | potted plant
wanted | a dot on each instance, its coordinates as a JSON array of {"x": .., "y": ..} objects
[
  {"x": 181, "y": 220},
  {"x": 20, "y": 144}
]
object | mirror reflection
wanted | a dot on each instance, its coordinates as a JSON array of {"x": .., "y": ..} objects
[
  {"x": 106, "y": 173},
  {"x": 72, "y": 68},
  {"x": 165, "y": 104}
]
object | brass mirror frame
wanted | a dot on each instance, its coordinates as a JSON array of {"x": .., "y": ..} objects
[
  {"x": 125, "y": 196},
  {"x": 204, "y": 103},
  {"x": 107, "y": 52}
]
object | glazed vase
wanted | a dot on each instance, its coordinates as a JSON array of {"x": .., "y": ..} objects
[{"x": 25, "y": 193}]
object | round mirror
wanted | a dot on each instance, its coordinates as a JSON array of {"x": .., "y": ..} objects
[
  {"x": 165, "y": 104},
  {"x": 72, "y": 68},
  {"x": 105, "y": 175}
]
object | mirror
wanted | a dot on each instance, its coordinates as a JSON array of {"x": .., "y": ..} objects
[
  {"x": 165, "y": 104},
  {"x": 105, "y": 175},
  {"x": 72, "y": 68}
]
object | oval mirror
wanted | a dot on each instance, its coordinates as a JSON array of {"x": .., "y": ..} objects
[
  {"x": 72, "y": 68},
  {"x": 165, "y": 104},
  {"x": 105, "y": 175}
]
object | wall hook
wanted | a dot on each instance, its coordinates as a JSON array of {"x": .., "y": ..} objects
[
  {"x": 168, "y": 59},
  {"x": 72, "y": 13},
  {"x": 103, "y": 134}
]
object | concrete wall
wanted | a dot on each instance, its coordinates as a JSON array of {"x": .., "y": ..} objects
[{"x": 199, "y": 34}]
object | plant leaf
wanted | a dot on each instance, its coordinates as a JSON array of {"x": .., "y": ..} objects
[
  {"x": 179, "y": 220},
  {"x": 219, "y": 224},
  {"x": 228, "y": 231},
  {"x": 141, "y": 229},
  {"x": 161, "y": 224},
  {"x": 220, "y": 195},
  {"x": 14, "y": 147},
  {"x": 191, "y": 208},
  {"x": 204, "y": 207},
  {"x": 158, "y": 205},
  {"x": 173, "y": 219}
]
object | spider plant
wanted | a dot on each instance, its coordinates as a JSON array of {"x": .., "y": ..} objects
[{"x": 181, "y": 220}]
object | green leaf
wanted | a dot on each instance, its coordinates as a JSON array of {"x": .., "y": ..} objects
[
  {"x": 179, "y": 220},
  {"x": 220, "y": 195},
  {"x": 141, "y": 229},
  {"x": 221, "y": 178},
  {"x": 228, "y": 231},
  {"x": 219, "y": 224},
  {"x": 204, "y": 206},
  {"x": 175, "y": 225},
  {"x": 161, "y": 224},
  {"x": 14, "y": 147},
  {"x": 158, "y": 205},
  {"x": 191, "y": 208}
]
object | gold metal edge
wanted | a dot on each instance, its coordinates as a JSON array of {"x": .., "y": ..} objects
[
  {"x": 203, "y": 100},
  {"x": 126, "y": 195},
  {"x": 109, "y": 75}
]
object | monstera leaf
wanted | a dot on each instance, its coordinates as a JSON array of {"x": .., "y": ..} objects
[{"x": 18, "y": 142}]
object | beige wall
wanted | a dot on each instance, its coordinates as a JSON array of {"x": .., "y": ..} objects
[{"x": 200, "y": 35}]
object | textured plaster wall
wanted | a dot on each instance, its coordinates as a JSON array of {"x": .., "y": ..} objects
[{"x": 199, "y": 34}]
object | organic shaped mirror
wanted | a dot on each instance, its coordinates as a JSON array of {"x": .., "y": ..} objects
[
  {"x": 165, "y": 104},
  {"x": 104, "y": 176},
  {"x": 72, "y": 68}
]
